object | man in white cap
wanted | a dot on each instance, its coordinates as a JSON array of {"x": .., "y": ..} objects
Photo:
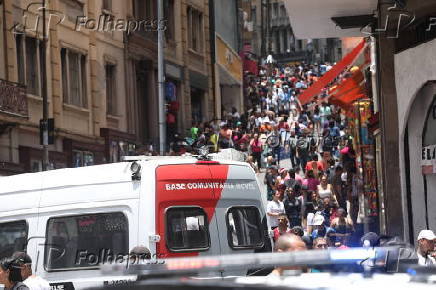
[
  {"x": 321, "y": 230},
  {"x": 426, "y": 248}
]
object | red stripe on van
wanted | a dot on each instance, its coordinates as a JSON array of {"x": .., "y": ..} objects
[{"x": 186, "y": 185}]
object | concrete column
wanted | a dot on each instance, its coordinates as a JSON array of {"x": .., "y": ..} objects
[
  {"x": 54, "y": 66},
  {"x": 390, "y": 138},
  {"x": 11, "y": 67},
  {"x": 96, "y": 101}
]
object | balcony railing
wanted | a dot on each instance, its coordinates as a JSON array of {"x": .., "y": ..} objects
[
  {"x": 13, "y": 100},
  {"x": 280, "y": 21}
]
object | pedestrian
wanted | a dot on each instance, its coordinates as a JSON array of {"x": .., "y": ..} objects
[
  {"x": 321, "y": 230},
  {"x": 10, "y": 275},
  {"x": 338, "y": 187},
  {"x": 288, "y": 243},
  {"x": 256, "y": 150},
  {"x": 311, "y": 181},
  {"x": 343, "y": 226},
  {"x": 283, "y": 227},
  {"x": 426, "y": 248},
  {"x": 292, "y": 204},
  {"x": 274, "y": 208},
  {"x": 320, "y": 243},
  {"x": 29, "y": 279},
  {"x": 270, "y": 181}
]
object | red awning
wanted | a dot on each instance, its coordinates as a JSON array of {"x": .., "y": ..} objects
[
  {"x": 329, "y": 76},
  {"x": 349, "y": 90}
]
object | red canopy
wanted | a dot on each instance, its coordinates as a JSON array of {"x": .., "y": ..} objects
[{"x": 329, "y": 76}]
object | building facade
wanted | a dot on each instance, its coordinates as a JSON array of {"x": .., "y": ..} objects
[
  {"x": 228, "y": 65},
  {"x": 273, "y": 34},
  {"x": 84, "y": 66},
  {"x": 101, "y": 78}
]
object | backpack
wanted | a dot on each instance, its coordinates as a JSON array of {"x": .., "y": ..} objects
[
  {"x": 328, "y": 143},
  {"x": 302, "y": 145}
]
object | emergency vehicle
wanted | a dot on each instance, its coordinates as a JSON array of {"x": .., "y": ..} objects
[{"x": 71, "y": 221}]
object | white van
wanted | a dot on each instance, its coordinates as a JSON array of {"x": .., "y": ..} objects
[{"x": 72, "y": 220}]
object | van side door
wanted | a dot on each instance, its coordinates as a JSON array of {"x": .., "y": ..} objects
[
  {"x": 185, "y": 211},
  {"x": 239, "y": 212}
]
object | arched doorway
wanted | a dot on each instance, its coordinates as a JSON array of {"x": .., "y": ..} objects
[{"x": 421, "y": 184}]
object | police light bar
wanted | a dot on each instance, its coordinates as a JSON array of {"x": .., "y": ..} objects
[{"x": 216, "y": 264}]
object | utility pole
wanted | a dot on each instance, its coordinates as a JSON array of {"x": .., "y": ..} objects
[
  {"x": 161, "y": 80},
  {"x": 45, "y": 157}
]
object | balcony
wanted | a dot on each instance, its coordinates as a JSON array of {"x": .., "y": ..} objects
[
  {"x": 280, "y": 21},
  {"x": 13, "y": 100}
]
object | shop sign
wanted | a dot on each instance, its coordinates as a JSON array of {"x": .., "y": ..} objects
[
  {"x": 229, "y": 59},
  {"x": 428, "y": 160}
]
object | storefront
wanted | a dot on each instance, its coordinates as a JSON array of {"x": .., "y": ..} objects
[
  {"x": 229, "y": 80},
  {"x": 416, "y": 101},
  {"x": 80, "y": 154},
  {"x": 118, "y": 144},
  {"x": 173, "y": 89},
  {"x": 31, "y": 159},
  {"x": 198, "y": 99}
]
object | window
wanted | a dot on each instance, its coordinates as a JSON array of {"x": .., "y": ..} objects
[
  {"x": 82, "y": 158},
  {"x": 73, "y": 78},
  {"x": 32, "y": 72},
  {"x": 195, "y": 29},
  {"x": 79, "y": 241},
  {"x": 20, "y": 59},
  {"x": 111, "y": 99},
  {"x": 169, "y": 16},
  {"x": 144, "y": 9},
  {"x": 276, "y": 10},
  {"x": 283, "y": 11},
  {"x": 187, "y": 229},
  {"x": 244, "y": 228},
  {"x": 13, "y": 237},
  {"x": 74, "y": 9},
  {"x": 107, "y": 5}
]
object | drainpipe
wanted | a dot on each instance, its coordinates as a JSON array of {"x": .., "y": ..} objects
[{"x": 5, "y": 46}]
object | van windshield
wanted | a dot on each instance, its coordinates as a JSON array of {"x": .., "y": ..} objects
[
  {"x": 13, "y": 237},
  {"x": 86, "y": 241}
]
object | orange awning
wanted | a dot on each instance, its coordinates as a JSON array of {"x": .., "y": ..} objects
[{"x": 329, "y": 76}]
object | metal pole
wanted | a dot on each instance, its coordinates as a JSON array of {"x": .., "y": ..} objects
[
  {"x": 45, "y": 159},
  {"x": 161, "y": 80}
]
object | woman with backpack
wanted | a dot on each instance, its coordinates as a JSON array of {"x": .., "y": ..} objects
[{"x": 256, "y": 150}]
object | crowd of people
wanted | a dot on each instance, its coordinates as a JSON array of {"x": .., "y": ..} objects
[
  {"x": 322, "y": 182},
  {"x": 315, "y": 194}
]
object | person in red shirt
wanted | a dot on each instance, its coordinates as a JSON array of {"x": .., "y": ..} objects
[
  {"x": 283, "y": 227},
  {"x": 315, "y": 165}
]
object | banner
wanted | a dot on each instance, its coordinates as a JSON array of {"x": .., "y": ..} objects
[{"x": 428, "y": 160}]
